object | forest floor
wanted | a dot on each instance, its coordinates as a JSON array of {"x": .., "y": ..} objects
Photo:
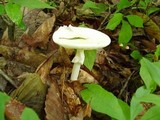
[{"x": 36, "y": 72}]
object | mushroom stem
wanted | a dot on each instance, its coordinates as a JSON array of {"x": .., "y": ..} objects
[{"x": 78, "y": 60}]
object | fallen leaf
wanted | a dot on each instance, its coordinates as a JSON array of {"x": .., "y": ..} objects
[
  {"x": 31, "y": 92},
  {"x": 14, "y": 110},
  {"x": 44, "y": 69},
  {"x": 71, "y": 99},
  {"x": 150, "y": 27},
  {"x": 53, "y": 104}
]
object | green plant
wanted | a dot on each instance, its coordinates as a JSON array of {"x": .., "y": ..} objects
[
  {"x": 123, "y": 20},
  {"x": 27, "y": 114},
  {"x": 13, "y": 9},
  {"x": 97, "y": 8},
  {"x": 105, "y": 102},
  {"x": 126, "y": 20},
  {"x": 3, "y": 100}
]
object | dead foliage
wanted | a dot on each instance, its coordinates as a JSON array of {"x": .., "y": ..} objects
[{"x": 35, "y": 72}]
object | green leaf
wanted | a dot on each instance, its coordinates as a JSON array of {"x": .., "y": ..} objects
[
  {"x": 152, "y": 114},
  {"x": 101, "y": 8},
  {"x": 14, "y": 12},
  {"x": 2, "y": 10},
  {"x": 90, "y": 4},
  {"x": 32, "y": 3},
  {"x": 136, "y": 107},
  {"x": 22, "y": 25},
  {"x": 150, "y": 73},
  {"x": 150, "y": 98},
  {"x": 136, "y": 55},
  {"x": 114, "y": 21},
  {"x": 4, "y": 98},
  {"x": 29, "y": 114},
  {"x": 125, "y": 34},
  {"x": 135, "y": 20},
  {"x": 142, "y": 95},
  {"x": 105, "y": 102},
  {"x": 123, "y": 4},
  {"x": 153, "y": 10},
  {"x": 157, "y": 52},
  {"x": 90, "y": 56},
  {"x": 97, "y": 8}
]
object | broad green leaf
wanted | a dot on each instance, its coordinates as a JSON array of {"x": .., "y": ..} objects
[
  {"x": 152, "y": 71},
  {"x": 146, "y": 76},
  {"x": 105, "y": 102},
  {"x": 29, "y": 114},
  {"x": 97, "y": 8},
  {"x": 125, "y": 34},
  {"x": 142, "y": 4},
  {"x": 3, "y": 100},
  {"x": 152, "y": 10},
  {"x": 136, "y": 55},
  {"x": 136, "y": 107},
  {"x": 147, "y": 1},
  {"x": 135, "y": 20},
  {"x": 150, "y": 98},
  {"x": 152, "y": 114},
  {"x": 22, "y": 25},
  {"x": 123, "y": 4},
  {"x": 157, "y": 52},
  {"x": 32, "y": 3},
  {"x": 157, "y": 63},
  {"x": 90, "y": 4},
  {"x": 90, "y": 56},
  {"x": 143, "y": 95},
  {"x": 2, "y": 10},
  {"x": 101, "y": 8},
  {"x": 14, "y": 12},
  {"x": 114, "y": 21}
]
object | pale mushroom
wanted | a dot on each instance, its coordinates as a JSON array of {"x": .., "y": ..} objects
[{"x": 80, "y": 38}]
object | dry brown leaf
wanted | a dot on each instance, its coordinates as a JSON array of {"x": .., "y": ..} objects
[
  {"x": 53, "y": 104},
  {"x": 72, "y": 99},
  {"x": 31, "y": 92},
  {"x": 22, "y": 55},
  {"x": 150, "y": 27},
  {"x": 5, "y": 38},
  {"x": 33, "y": 18},
  {"x": 85, "y": 77},
  {"x": 14, "y": 110},
  {"x": 44, "y": 69},
  {"x": 41, "y": 36},
  {"x": 30, "y": 57}
]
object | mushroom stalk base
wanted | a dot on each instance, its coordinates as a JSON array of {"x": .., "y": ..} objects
[
  {"x": 78, "y": 60},
  {"x": 75, "y": 71}
]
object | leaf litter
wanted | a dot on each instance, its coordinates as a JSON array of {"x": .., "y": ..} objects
[{"x": 35, "y": 71}]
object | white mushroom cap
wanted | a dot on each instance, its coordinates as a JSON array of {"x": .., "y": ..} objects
[{"x": 80, "y": 38}]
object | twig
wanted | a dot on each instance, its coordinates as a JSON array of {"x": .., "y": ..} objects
[
  {"x": 105, "y": 19},
  {"x": 7, "y": 78},
  {"x": 125, "y": 85}
]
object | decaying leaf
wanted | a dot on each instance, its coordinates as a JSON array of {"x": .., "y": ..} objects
[
  {"x": 85, "y": 77},
  {"x": 44, "y": 69},
  {"x": 14, "y": 110},
  {"x": 150, "y": 27},
  {"x": 5, "y": 38},
  {"x": 72, "y": 99},
  {"x": 31, "y": 92},
  {"x": 41, "y": 36},
  {"x": 22, "y": 55},
  {"x": 53, "y": 104}
]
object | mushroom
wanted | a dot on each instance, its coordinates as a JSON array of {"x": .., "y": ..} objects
[{"x": 79, "y": 38}]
